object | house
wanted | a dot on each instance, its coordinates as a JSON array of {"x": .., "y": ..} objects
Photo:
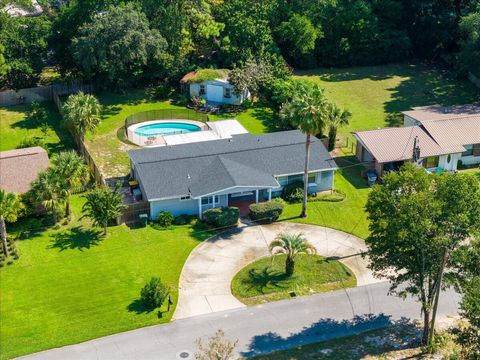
[
  {"x": 20, "y": 167},
  {"x": 438, "y": 138},
  {"x": 213, "y": 86},
  {"x": 191, "y": 178}
]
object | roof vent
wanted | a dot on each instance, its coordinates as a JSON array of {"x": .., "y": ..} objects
[{"x": 188, "y": 176}]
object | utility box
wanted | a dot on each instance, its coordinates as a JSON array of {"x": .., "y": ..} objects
[{"x": 143, "y": 219}]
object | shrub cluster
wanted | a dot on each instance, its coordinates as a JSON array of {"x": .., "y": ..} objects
[
  {"x": 154, "y": 293},
  {"x": 222, "y": 217},
  {"x": 165, "y": 219},
  {"x": 183, "y": 219},
  {"x": 266, "y": 212},
  {"x": 293, "y": 193}
]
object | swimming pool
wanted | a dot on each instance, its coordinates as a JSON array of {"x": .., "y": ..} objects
[{"x": 166, "y": 128}]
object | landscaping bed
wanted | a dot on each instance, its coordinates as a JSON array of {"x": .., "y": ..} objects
[{"x": 265, "y": 280}]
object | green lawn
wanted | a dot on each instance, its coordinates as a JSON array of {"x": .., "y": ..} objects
[
  {"x": 265, "y": 280},
  {"x": 377, "y": 94},
  {"x": 110, "y": 153},
  {"x": 15, "y": 126},
  {"x": 348, "y": 215},
  {"x": 71, "y": 284}
]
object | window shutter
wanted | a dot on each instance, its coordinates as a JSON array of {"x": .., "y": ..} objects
[{"x": 476, "y": 149}]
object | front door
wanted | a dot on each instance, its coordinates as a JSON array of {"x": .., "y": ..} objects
[{"x": 215, "y": 93}]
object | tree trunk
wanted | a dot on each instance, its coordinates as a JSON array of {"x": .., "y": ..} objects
[
  {"x": 305, "y": 177},
  {"x": 289, "y": 266},
  {"x": 3, "y": 235},
  {"x": 426, "y": 326},
  {"x": 437, "y": 297},
  {"x": 332, "y": 138},
  {"x": 67, "y": 206}
]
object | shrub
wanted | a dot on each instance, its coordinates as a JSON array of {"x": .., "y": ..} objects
[
  {"x": 183, "y": 219},
  {"x": 165, "y": 219},
  {"x": 267, "y": 211},
  {"x": 159, "y": 92},
  {"x": 30, "y": 142},
  {"x": 293, "y": 192},
  {"x": 222, "y": 217},
  {"x": 154, "y": 293}
]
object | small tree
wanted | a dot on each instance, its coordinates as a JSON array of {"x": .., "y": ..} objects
[
  {"x": 217, "y": 348},
  {"x": 82, "y": 113},
  {"x": 154, "y": 293},
  {"x": 291, "y": 245},
  {"x": 103, "y": 205},
  {"x": 49, "y": 191},
  {"x": 335, "y": 117},
  {"x": 10, "y": 208},
  {"x": 73, "y": 172},
  {"x": 308, "y": 112},
  {"x": 416, "y": 222}
]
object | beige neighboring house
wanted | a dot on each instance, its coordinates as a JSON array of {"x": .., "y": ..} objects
[
  {"x": 213, "y": 86},
  {"x": 20, "y": 167},
  {"x": 444, "y": 138}
]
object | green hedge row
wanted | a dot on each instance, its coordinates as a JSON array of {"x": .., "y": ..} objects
[
  {"x": 222, "y": 217},
  {"x": 266, "y": 211}
]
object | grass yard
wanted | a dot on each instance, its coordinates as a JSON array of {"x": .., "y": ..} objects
[
  {"x": 265, "y": 280},
  {"x": 15, "y": 126},
  {"x": 70, "y": 284},
  {"x": 110, "y": 153},
  {"x": 348, "y": 215},
  {"x": 375, "y": 95}
]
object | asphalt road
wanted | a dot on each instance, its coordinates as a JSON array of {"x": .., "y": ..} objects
[{"x": 262, "y": 328}]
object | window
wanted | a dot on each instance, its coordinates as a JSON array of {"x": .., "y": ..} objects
[
  {"x": 430, "y": 162},
  {"x": 293, "y": 178},
  {"x": 312, "y": 178},
  {"x": 282, "y": 180},
  {"x": 202, "y": 90},
  {"x": 468, "y": 150},
  {"x": 227, "y": 93},
  {"x": 209, "y": 200},
  {"x": 183, "y": 198}
]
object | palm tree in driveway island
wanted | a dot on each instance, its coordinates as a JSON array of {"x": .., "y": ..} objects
[
  {"x": 291, "y": 245},
  {"x": 308, "y": 112}
]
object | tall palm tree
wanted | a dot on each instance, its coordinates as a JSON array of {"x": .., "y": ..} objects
[
  {"x": 308, "y": 112},
  {"x": 73, "y": 173},
  {"x": 49, "y": 191},
  {"x": 291, "y": 245},
  {"x": 336, "y": 117},
  {"x": 82, "y": 113},
  {"x": 10, "y": 207}
]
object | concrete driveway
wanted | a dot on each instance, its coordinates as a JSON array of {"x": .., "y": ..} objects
[{"x": 210, "y": 268}]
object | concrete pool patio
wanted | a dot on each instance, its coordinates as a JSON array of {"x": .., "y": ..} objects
[{"x": 207, "y": 274}]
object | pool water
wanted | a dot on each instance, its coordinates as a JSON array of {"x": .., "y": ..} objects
[{"x": 166, "y": 128}]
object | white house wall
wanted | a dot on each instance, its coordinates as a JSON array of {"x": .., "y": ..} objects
[
  {"x": 175, "y": 206},
  {"x": 470, "y": 160}
]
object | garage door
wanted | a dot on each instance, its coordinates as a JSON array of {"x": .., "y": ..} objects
[{"x": 214, "y": 93}]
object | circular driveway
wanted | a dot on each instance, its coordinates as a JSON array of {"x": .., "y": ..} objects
[{"x": 207, "y": 274}]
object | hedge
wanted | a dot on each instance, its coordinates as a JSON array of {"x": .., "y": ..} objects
[
  {"x": 293, "y": 193},
  {"x": 222, "y": 217},
  {"x": 267, "y": 211}
]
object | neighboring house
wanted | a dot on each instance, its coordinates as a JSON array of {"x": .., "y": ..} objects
[
  {"x": 444, "y": 137},
  {"x": 191, "y": 178},
  {"x": 19, "y": 168},
  {"x": 213, "y": 86}
]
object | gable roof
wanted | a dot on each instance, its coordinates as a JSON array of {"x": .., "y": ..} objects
[
  {"x": 198, "y": 169},
  {"x": 437, "y": 112},
  {"x": 19, "y": 168},
  {"x": 396, "y": 144}
]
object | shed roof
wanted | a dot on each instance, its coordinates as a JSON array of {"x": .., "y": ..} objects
[
  {"x": 201, "y": 168},
  {"x": 19, "y": 168},
  {"x": 201, "y": 75}
]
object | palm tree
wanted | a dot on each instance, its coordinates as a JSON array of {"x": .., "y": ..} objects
[
  {"x": 10, "y": 207},
  {"x": 308, "y": 112},
  {"x": 82, "y": 113},
  {"x": 291, "y": 245},
  {"x": 336, "y": 117},
  {"x": 103, "y": 205},
  {"x": 49, "y": 191},
  {"x": 73, "y": 172}
]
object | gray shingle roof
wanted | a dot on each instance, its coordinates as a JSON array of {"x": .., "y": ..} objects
[{"x": 205, "y": 167}]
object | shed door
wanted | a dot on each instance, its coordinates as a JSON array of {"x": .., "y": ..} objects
[{"x": 215, "y": 93}]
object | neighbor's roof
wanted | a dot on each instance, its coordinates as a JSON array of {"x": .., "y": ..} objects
[
  {"x": 201, "y": 75},
  {"x": 453, "y": 133},
  {"x": 202, "y": 168},
  {"x": 437, "y": 112},
  {"x": 396, "y": 144},
  {"x": 18, "y": 168}
]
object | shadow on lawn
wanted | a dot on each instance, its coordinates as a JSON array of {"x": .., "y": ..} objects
[
  {"x": 138, "y": 307},
  {"x": 352, "y": 169},
  {"x": 261, "y": 279},
  {"x": 76, "y": 238},
  {"x": 323, "y": 329}
]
